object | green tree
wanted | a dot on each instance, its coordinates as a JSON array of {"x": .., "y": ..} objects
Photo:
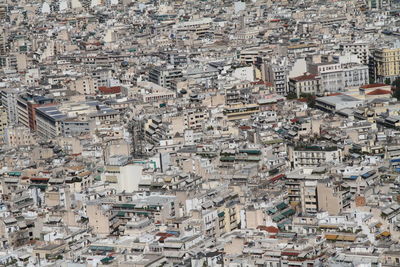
[
  {"x": 291, "y": 95},
  {"x": 371, "y": 80},
  {"x": 387, "y": 81},
  {"x": 396, "y": 88},
  {"x": 396, "y": 82},
  {"x": 310, "y": 99}
]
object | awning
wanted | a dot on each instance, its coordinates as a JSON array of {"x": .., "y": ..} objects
[
  {"x": 107, "y": 259},
  {"x": 101, "y": 248},
  {"x": 281, "y": 206}
]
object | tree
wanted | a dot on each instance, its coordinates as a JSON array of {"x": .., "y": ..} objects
[
  {"x": 310, "y": 99},
  {"x": 387, "y": 81},
  {"x": 291, "y": 95},
  {"x": 396, "y": 82},
  {"x": 371, "y": 80},
  {"x": 396, "y": 88}
]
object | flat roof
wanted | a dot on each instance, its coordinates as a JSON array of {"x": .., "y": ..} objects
[{"x": 336, "y": 99}]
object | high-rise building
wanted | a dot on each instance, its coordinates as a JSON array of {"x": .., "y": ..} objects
[
  {"x": 277, "y": 75},
  {"x": 359, "y": 49},
  {"x": 374, "y": 4},
  {"x": 3, "y": 11},
  {"x": 3, "y": 46},
  {"x": 9, "y": 102},
  {"x": 163, "y": 76},
  {"x": 3, "y": 120}
]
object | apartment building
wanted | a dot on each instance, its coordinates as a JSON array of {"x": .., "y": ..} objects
[
  {"x": 101, "y": 219},
  {"x": 52, "y": 121},
  {"x": 240, "y": 111},
  {"x": 314, "y": 156},
  {"x": 164, "y": 76},
  {"x": 278, "y": 76},
  {"x": 3, "y": 120},
  {"x": 85, "y": 85},
  {"x": 313, "y": 192},
  {"x": 155, "y": 92},
  {"x": 18, "y": 136},
  {"x": 305, "y": 84},
  {"x": 198, "y": 26},
  {"x": 387, "y": 63},
  {"x": 301, "y": 187},
  {"x": 194, "y": 118},
  {"x": 355, "y": 75},
  {"x": 48, "y": 121},
  {"x": 359, "y": 49},
  {"x": 330, "y": 74},
  {"x": 9, "y": 101},
  {"x": 101, "y": 77},
  {"x": 125, "y": 175},
  {"x": 375, "y": 4},
  {"x": 26, "y": 112},
  {"x": 333, "y": 198}
]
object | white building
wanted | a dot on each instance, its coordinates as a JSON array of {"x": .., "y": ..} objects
[
  {"x": 313, "y": 156},
  {"x": 244, "y": 73},
  {"x": 361, "y": 50}
]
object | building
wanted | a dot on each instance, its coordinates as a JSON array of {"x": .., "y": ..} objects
[
  {"x": 164, "y": 76},
  {"x": 305, "y": 84},
  {"x": 156, "y": 93},
  {"x": 26, "y": 112},
  {"x": 333, "y": 198},
  {"x": 330, "y": 74},
  {"x": 9, "y": 101},
  {"x": 73, "y": 118},
  {"x": 3, "y": 120},
  {"x": 337, "y": 102},
  {"x": 277, "y": 75},
  {"x": 240, "y": 111},
  {"x": 16, "y": 136},
  {"x": 195, "y": 118},
  {"x": 85, "y": 85},
  {"x": 198, "y": 26},
  {"x": 314, "y": 156},
  {"x": 357, "y": 48},
  {"x": 48, "y": 121},
  {"x": 124, "y": 174},
  {"x": 375, "y": 4},
  {"x": 355, "y": 75},
  {"x": 386, "y": 63},
  {"x": 302, "y": 188}
]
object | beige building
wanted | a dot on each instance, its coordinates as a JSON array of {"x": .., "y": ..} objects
[
  {"x": 49, "y": 251},
  {"x": 241, "y": 111},
  {"x": 302, "y": 189},
  {"x": 314, "y": 156},
  {"x": 3, "y": 121},
  {"x": 18, "y": 136},
  {"x": 100, "y": 218},
  {"x": 41, "y": 153},
  {"x": 390, "y": 258},
  {"x": 85, "y": 85},
  {"x": 254, "y": 218},
  {"x": 332, "y": 198},
  {"x": 195, "y": 118},
  {"x": 305, "y": 84},
  {"x": 58, "y": 197},
  {"x": 387, "y": 63}
]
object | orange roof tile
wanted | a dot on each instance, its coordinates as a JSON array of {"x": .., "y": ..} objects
[
  {"x": 373, "y": 85},
  {"x": 110, "y": 90},
  {"x": 379, "y": 92}
]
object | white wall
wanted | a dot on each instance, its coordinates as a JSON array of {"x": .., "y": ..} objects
[
  {"x": 244, "y": 74},
  {"x": 129, "y": 177},
  {"x": 298, "y": 68}
]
